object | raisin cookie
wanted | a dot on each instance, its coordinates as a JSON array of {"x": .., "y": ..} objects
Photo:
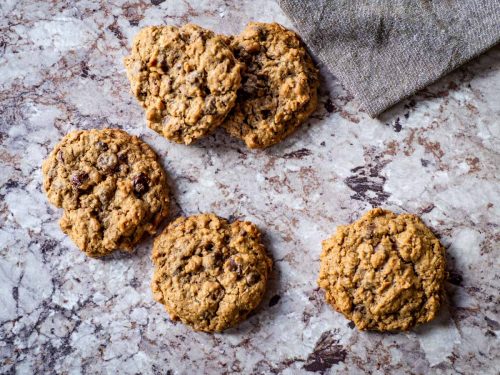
[
  {"x": 209, "y": 273},
  {"x": 186, "y": 78},
  {"x": 111, "y": 186},
  {"x": 279, "y": 85},
  {"x": 385, "y": 272}
]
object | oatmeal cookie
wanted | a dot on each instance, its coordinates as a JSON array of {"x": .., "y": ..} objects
[
  {"x": 385, "y": 272},
  {"x": 209, "y": 274},
  {"x": 279, "y": 85},
  {"x": 186, "y": 78},
  {"x": 111, "y": 186}
]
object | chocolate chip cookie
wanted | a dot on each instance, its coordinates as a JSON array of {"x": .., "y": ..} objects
[
  {"x": 385, "y": 272},
  {"x": 279, "y": 85},
  {"x": 209, "y": 273},
  {"x": 186, "y": 78},
  {"x": 111, "y": 186}
]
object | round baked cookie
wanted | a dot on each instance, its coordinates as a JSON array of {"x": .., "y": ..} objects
[
  {"x": 111, "y": 186},
  {"x": 186, "y": 78},
  {"x": 385, "y": 271},
  {"x": 279, "y": 85},
  {"x": 209, "y": 273}
]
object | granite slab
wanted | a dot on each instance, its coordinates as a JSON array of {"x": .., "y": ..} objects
[{"x": 435, "y": 154}]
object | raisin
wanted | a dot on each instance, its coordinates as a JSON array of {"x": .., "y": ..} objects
[
  {"x": 140, "y": 183},
  {"x": 235, "y": 267},
  {"x": 217, "y": 294},
  {"x": 102, "y": 146},
  {"x": 217, "y": 258},
  {"x": 252, "y": 278},
  {"x": 122, "y": 156},
  {"x": 177, "y": 271},
  {"x": 107, "y": 162},
  {"x": 232, "y": 265},
  {"x": 79, "y": 178},
  {"x": 244, "y": 95},
  {"x": 60, "y": 156},
  {"x": 266, "y": 113},
  {"x": 211, "y": 105}
]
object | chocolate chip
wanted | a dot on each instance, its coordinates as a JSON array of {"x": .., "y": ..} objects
[
  {"x": 79, "y": 178},
  {"x": 140, "y": 183}
]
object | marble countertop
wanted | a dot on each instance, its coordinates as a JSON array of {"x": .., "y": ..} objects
[{"x": 435, "y": 154}]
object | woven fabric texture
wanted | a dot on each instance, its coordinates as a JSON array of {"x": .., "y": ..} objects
[{"x": 385, "y": 50}]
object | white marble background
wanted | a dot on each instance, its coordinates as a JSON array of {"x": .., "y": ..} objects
[{"x": 436, "y": 154}]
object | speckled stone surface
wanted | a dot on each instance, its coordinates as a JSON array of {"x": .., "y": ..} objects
[{"x": 435, "y": 154}]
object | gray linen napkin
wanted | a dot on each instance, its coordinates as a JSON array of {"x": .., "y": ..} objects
[{"x": 384, "y": 51}]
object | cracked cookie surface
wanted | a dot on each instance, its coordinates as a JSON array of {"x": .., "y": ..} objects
[
  {"x": 279, "y": 85},
  {"x": 209, "y": 273},
  {"x": 385, "y": 271},
  {"x": 186, "y": 78},
  {"x": 111, "y": 187}
]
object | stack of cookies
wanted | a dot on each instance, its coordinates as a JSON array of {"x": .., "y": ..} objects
[
  {"x": 260, "y": 86},
  {"x": 384, "y": 272}
]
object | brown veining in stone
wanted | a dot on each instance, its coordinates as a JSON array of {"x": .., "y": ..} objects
[{"x": 61, "y": 70}]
